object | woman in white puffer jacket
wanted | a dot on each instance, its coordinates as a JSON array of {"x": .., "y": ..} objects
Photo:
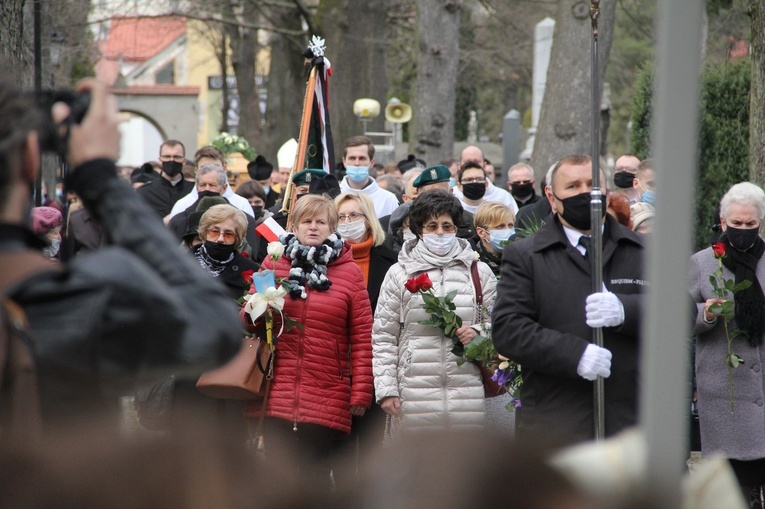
[{"x": 416, "y": 375}]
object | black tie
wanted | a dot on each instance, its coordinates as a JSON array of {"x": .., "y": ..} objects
[{"x": 586, "y": 243}]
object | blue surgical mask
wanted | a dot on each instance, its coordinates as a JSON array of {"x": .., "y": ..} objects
[
  {"x": 500, "y": 236},
  {"x": 649, "y": 197},
  {"x": 266, "y": 189},
  {"x": 357, "y": 174},
  {"x": 452, "y": 182}
]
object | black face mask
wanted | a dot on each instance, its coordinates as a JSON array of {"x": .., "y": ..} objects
[
  {"x": 257, "y": 210},
  {"x": 740, "y": 238},
  {"x": 474, "y": 191},
  {"x": 207, "y": 194},
  {"x": 172, "y": 168},
  {"x": 576, "y": 210},
  {"x": 623, "y": 179},
  {"x": 218, "y": 251},
  {"x": 522, "y": 190}
]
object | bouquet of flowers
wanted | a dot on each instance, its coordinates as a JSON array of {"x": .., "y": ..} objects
[
  {"x": 724, "y": 289},
  {"x": 268, "y": 298},
  {"x": 231, "y": 143},
  {"x": 480, "y": 350}
]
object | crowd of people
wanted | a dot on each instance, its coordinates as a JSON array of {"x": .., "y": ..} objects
[{"x": 136, "y": 278}]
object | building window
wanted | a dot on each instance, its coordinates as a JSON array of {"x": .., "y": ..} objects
[{"x": 166, "y": 75}]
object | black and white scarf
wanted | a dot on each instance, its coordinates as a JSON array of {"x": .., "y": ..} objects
[{"x": 309, "y": 263}]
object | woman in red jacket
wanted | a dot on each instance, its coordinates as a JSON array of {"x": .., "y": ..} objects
[{"x": 322, "y": 373}]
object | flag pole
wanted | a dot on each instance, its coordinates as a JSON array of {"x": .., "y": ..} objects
[
  {"x": 596, "y": 218},
  {"x": 288, "y": 203}
]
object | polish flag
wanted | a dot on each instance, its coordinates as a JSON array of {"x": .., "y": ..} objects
[{"x": 270, "y": 230}]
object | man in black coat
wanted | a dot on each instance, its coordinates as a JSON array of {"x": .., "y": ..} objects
[
  {"x": 162, "y": 192},
  {"x": 545, "y": 309}
]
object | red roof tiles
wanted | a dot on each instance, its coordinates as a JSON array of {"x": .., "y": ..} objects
[{"x": 138, "y": 39}]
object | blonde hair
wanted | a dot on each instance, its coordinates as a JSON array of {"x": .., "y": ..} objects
[
  {"x": 219, "y": 213},
  {"x": 491, "y": 213},
  {"x": 311, "y": 205},
  {"x": 368, "y": 209}
]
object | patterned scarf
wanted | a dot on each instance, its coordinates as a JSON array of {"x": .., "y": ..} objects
[
  {"x": 309, "y": 263},
  {"x": 209, "y": 263}
]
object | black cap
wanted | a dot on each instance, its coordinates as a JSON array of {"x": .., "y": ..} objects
[
  {"x": 259, "y": 169},
  {"x": 409, "y": 163},
  {"x": 326, "y": 184}
]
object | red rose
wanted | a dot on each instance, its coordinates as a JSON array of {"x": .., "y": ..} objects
[
  {"x": 718, "y": 248},
  {"x": 247, "y": 276},
  {"x": 411, "y": 285},
  {"x": 423, "y": 282}
]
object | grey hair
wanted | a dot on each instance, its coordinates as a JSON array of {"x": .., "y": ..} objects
[
  {"x": 521, "y": 165},
  {"x": 744, "y": 193},
  {"x": 209, "y": 168}
]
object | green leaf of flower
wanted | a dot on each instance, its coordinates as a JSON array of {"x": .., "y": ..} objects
[{"x": 743, "y": 285}]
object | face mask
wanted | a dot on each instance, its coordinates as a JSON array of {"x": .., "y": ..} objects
[
  {"x": 740, "y": 238},
  {"x": 408, "y": 235},
  {"x": 357, "y": 174},
  {"x": 439, "y": 244},
  {"x": 452, "y": 182},
  {"x": 218, "y": 251},
  {"x": 474, "y": 191},
  {"x": 257, "y": 210},
  {"x": 207, "y": 194},
  {"x": 52, "y": 250},
  {"x": 649, "y": 197},
  {"x": 498, "y": 237},
  {"x": 522, "y": 190},
  {"x": 266, "y": 189},
  {"x": 353, "y": 232},
  {"x": 576, "y": 210},
  {"x": 623, "y": 179},
  {"x": 172, "y": 168}
]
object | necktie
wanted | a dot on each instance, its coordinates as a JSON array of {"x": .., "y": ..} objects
[{"x": 586, "y": 243}]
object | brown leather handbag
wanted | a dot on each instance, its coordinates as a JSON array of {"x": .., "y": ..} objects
[{"x": 243, "y": 377}]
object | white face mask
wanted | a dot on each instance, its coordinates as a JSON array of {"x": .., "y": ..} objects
[
  {"x": 52, "y": 250},
  {"x": 439, "y": 244},
  {"x": 353, "y": 232}
]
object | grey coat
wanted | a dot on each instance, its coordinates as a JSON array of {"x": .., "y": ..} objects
[{"x": 740, "y": 434}]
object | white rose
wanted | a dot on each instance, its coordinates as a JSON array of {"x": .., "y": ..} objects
[{"x": 275, "y": 250}]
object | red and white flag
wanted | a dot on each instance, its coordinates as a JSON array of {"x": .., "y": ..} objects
[{"x": 270, "y": 230}]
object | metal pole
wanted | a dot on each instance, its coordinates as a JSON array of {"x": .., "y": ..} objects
[
  {"x": 596, "y": 218},
  {"x": 37, "y": 21},
  {"x": 664, "y": 404}
]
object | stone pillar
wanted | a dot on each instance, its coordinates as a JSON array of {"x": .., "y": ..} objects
[{"x": 543, "y": 39}]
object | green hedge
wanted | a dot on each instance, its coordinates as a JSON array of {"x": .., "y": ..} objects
[{"x": 723, "y": 135}]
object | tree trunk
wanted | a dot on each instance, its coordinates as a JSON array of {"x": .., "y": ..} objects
[
  {"x": 12, "y": 39},
  {"x": 244, "y": 48},
  {"x": 355, "y": 35},
  {"x": 438, "y": 23},
  {"x": 286, "y": 85},
  {"x": 565, "y": 120},
  {"x": 757, "y": 94}
]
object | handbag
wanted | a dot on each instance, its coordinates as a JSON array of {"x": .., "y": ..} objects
[
  {"x": 490, "y": 387},
  {"x": 243, "y": 376}
]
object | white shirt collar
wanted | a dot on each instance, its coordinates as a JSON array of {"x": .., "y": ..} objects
[{"x": 573, "y": 236}]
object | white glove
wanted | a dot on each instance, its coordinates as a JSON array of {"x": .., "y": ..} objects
[
  {"x": 595, "y": 362},
  {"x": 604, "y": 309}
]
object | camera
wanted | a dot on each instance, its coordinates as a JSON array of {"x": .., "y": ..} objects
[{"x": 54, "y": 137}]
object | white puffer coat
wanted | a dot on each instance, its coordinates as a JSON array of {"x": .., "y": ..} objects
[{"x": 414, "y": 361}]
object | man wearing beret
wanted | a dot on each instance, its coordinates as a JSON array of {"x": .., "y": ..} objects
[{"x": 358, "y": 158}]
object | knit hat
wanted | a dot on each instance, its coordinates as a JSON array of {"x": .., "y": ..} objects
[
  {"x": 259, "y": 169},
  {"x": 641, "y": 212},
  {"x": 44, "y": 219}
]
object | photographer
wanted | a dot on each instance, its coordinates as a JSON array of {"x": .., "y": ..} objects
[{"x": 137, "y": 305}]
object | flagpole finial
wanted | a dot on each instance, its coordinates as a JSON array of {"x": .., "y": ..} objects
[{"x": 317, "y": 46}]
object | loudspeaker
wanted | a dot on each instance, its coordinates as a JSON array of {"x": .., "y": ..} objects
[{"x": 398, "y": 113}]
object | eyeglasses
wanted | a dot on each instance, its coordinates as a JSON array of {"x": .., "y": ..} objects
[
  {"x": 433, "y": 227},
  {"x": 352, "y": 217},
  {"x": 215, "y": 233},
  {"x": 476, "y": 180},
  {"x": 628, "y": 169},
  {"x": 520, "y": 183},
  {"x": 177, "y": 159}
]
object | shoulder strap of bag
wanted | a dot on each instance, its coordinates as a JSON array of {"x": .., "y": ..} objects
[{"x": 476, "y": 283}]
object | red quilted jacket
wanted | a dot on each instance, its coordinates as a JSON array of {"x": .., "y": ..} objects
[{"x": 311, "y": 374}]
